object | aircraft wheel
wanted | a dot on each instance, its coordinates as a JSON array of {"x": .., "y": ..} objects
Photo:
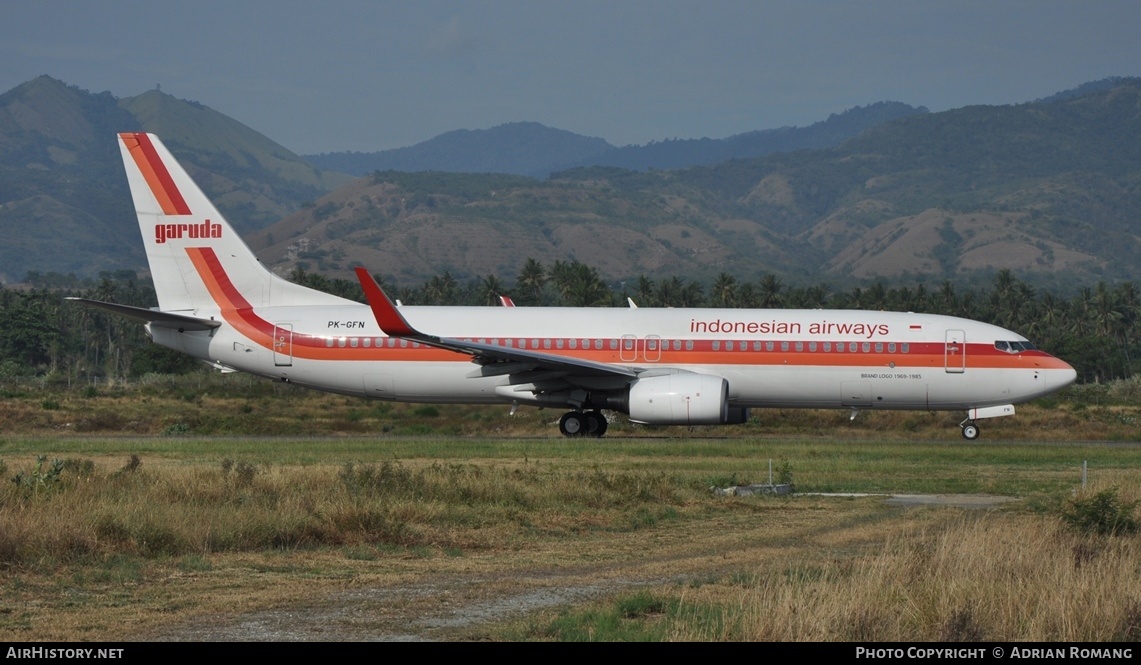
[
  {"x": 572, "y": 423},
  {"x": 970, "y": 431},
  {"x": 595, "y": 423}
]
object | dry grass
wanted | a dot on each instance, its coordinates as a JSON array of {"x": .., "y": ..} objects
[
  {"x": 1009, "y": 577},
  {"x": 178, "y": 511},
  {"x": 930, "y": 574},
  {"x": 190, "y": 540}
]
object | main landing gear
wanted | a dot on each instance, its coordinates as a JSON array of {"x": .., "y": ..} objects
[
  {"x": 583, "y": 423},
  {"x": 970, "y": 429}
]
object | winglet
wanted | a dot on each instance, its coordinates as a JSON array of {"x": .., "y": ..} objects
[
  {"x": 391, "y": 321},
  {"x": 506, "y": 301}
]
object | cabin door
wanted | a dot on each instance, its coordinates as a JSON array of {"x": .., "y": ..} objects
[
  {"x": 955, "y": 352},
  {"x": 283, "y": 345}
]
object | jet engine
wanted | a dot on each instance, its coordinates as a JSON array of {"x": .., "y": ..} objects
[{"x": 682, "y": 399}]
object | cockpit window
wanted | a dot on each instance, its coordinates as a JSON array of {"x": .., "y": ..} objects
[{"x": 1014, "y": 347}]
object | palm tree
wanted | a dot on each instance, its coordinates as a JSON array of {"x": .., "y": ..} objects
[
  {"x": 876, "y": 296},
  {"x": 692, "y": 295},
  {"x": 669, "y": 292},
  {"x": 947, "y": 302},
  {"x": 441, "y": 289},
  {"x": 561, "y": 275},
  {"x": 770, "y": 296},
  {"x": 532, "y": 277},
  {"x": 586, "y": 288},
  {"x": 490, "y": 289},
  {"x": 645, "y": 293},
  {"x": 724, "y": 290}
]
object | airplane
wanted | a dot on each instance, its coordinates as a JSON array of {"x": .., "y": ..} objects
[{"x": 658, "y": 366}]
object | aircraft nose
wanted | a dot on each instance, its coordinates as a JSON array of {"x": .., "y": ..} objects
[{"x": 1063, "y": 376}]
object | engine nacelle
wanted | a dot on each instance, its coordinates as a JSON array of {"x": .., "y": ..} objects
[{"x": 680, "y": 399}]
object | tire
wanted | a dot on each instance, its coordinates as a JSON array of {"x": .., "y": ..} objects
[
  {"x": 572, "y": 424},
  {"x": 595, "y": 423},
  {"x": 970, "y": 431}
]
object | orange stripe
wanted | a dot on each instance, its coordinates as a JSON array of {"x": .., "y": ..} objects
[
  {"x": 237, "y": 311},
  {"x": 154, "y": 172}
]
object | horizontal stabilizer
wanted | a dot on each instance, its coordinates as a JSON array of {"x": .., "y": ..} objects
[{"x": 179, "y": 322}]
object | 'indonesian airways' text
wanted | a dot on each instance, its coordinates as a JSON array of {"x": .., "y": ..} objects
[{"x": 866, "y": 330}]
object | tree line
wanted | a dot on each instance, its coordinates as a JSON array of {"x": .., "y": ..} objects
[{"x": 1096, "y": 329}]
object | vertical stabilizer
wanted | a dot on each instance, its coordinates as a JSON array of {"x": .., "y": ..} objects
[{"x": 191, "y": 248}]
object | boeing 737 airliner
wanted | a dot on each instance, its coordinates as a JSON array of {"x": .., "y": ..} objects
[{"x": 659, "y": 366}]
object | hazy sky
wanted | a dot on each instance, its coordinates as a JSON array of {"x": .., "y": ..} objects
[{"x": 370, "y": 75}]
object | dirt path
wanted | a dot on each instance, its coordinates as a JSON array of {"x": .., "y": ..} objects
[{"x": 446, "y": 600}]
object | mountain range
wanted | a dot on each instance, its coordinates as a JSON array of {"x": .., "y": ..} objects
[
  {"x": 64, "y": 202},
  {"x": 531, "y": 149},
  {"x": 1050, "y": 189}
]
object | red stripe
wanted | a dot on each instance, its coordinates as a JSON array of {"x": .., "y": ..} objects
[
  {"x": 229, "y": 299},
  {"x": 163, "y": 179},
  {"x": 922, "y": 355}
]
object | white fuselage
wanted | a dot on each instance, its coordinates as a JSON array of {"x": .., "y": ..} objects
[{"x": 770, "y": 358}]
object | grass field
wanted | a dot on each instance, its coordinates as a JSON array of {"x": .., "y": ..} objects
[
  {"x": 223, "y": 508},
  {"x": 214, "y": 537}
]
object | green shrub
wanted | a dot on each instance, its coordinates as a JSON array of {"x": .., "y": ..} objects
[{"x": 1102, "y": 513}]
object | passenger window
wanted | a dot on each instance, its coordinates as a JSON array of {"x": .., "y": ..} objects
[
  {"x": 613, "y": 345},
  {"x": 546, "y": 344},
  {"x": 328, "y": 341},
  {"x": 867, "y": 347},
  {"x": 341, "y": 342},
  {"x": 879, "y": 347},
  {"x": 677, "y": 345},
  {"x": 905, "y": 347},
  {"x": 812, "y": 347},
  {"x": 784, "y": 346},
  {"x": 853, "y": 347},
  {"x": 756, "y": 346},
  {"x": 689, "y": 345},
  {"x": 716, "y": 346},
  {"x": 353, "y": 342},
  {"x": 799, "y": 347},
  {"x": 827, "y": 347},
  {"x": 558, "y": 343},
  {"x": 768, "y": 346},
  {"x": 891, "y": 347}
]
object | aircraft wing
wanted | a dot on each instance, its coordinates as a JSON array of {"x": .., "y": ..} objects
[
  {"x": 494, "y": 358},
  {"x": 179, "y": 322}
]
